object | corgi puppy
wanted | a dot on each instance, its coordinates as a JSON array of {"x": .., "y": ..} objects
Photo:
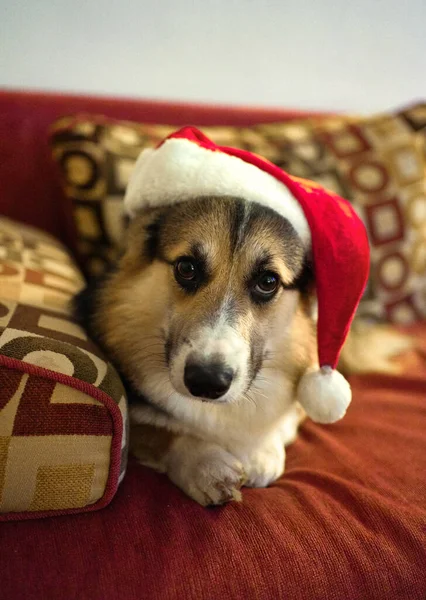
[{"x": 210, "y": 316}]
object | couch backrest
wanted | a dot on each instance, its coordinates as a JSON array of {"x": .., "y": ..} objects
[{"x": 29, "y": 189}]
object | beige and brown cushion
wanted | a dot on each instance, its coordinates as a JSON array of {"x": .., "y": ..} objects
[
  {"x": 378, "y": 163},
  {"x": 63, "y": 415}
]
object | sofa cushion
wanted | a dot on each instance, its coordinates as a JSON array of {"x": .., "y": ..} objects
[
  {"x": 347, "y": 521},
  {"x": 62, "y": 405},
  {"x": 378, "y": 163}
]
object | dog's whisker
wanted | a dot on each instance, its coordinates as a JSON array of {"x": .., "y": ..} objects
[
  {"x": 259, "y": 394},
  {"x": 247, "y": 396}
]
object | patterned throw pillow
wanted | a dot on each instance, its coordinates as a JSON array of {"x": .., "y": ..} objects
[
  {"x": 63, "y": 409},
  {"x": 378, "y": 163}
]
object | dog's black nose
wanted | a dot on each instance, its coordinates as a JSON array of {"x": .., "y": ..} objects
[{"x": 208, "y": 380}]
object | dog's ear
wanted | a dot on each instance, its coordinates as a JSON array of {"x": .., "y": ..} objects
[
  {"x": 142, "y": 239},
  {"x": 305, "y": 281},
  {"x": 85, "y": 304}
]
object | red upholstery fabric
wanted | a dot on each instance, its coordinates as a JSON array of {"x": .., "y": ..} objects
[
  {"x": 29, "y": 191},
  {"x": 347, "y": 521}
]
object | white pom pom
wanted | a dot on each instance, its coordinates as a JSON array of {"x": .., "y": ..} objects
[{"x": 324, "y": 394}]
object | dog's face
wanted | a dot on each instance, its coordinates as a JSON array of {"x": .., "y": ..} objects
[{"x": 204, "y": 291}]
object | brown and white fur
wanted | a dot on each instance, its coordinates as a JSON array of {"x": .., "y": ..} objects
[{"x": 159, "y": 332}]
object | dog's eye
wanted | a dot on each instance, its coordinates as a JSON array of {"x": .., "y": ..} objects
[
  {"x": 266, "y": 285},
  {"x": 185, "y": 271}
]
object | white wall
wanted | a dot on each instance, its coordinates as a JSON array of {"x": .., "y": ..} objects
[{"x": 358, "y": 55}]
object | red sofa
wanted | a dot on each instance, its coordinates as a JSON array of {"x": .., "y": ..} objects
[{"x": 347, "y": 521}]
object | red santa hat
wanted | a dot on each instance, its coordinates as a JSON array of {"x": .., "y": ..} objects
[{"x": 187, "y": 164}]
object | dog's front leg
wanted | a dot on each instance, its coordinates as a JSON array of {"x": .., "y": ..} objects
[
  {"x": 264, "y": 458},
  {"x": 264, "y": 462},
  {"x": 204, "y": 471}
]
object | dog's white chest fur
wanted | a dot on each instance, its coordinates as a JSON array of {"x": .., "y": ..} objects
[{"x": 252, "y": 432}]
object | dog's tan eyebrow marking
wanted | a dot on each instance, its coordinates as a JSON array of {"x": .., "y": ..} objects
[
  {"x": 263, "y": 263},
  {"x": 199, "y": 253},
  {"x": 302, "y": 279},
  {"x": 268, "y": 262},
  {"x": 195, "y": 251}
]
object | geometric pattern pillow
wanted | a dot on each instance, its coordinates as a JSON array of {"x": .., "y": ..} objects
[
  {"x": 378, "y": 163},
  {"x": 63, "y": 414}
]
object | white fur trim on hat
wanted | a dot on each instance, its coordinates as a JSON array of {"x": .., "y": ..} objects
[
  {"x": 180, "y": 169},
  {"x": 324, "y": 394}
]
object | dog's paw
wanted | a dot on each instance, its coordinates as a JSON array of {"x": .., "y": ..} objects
[
  {"x": 206, "y": 472},
  {"x": 266, "y": 464}
]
